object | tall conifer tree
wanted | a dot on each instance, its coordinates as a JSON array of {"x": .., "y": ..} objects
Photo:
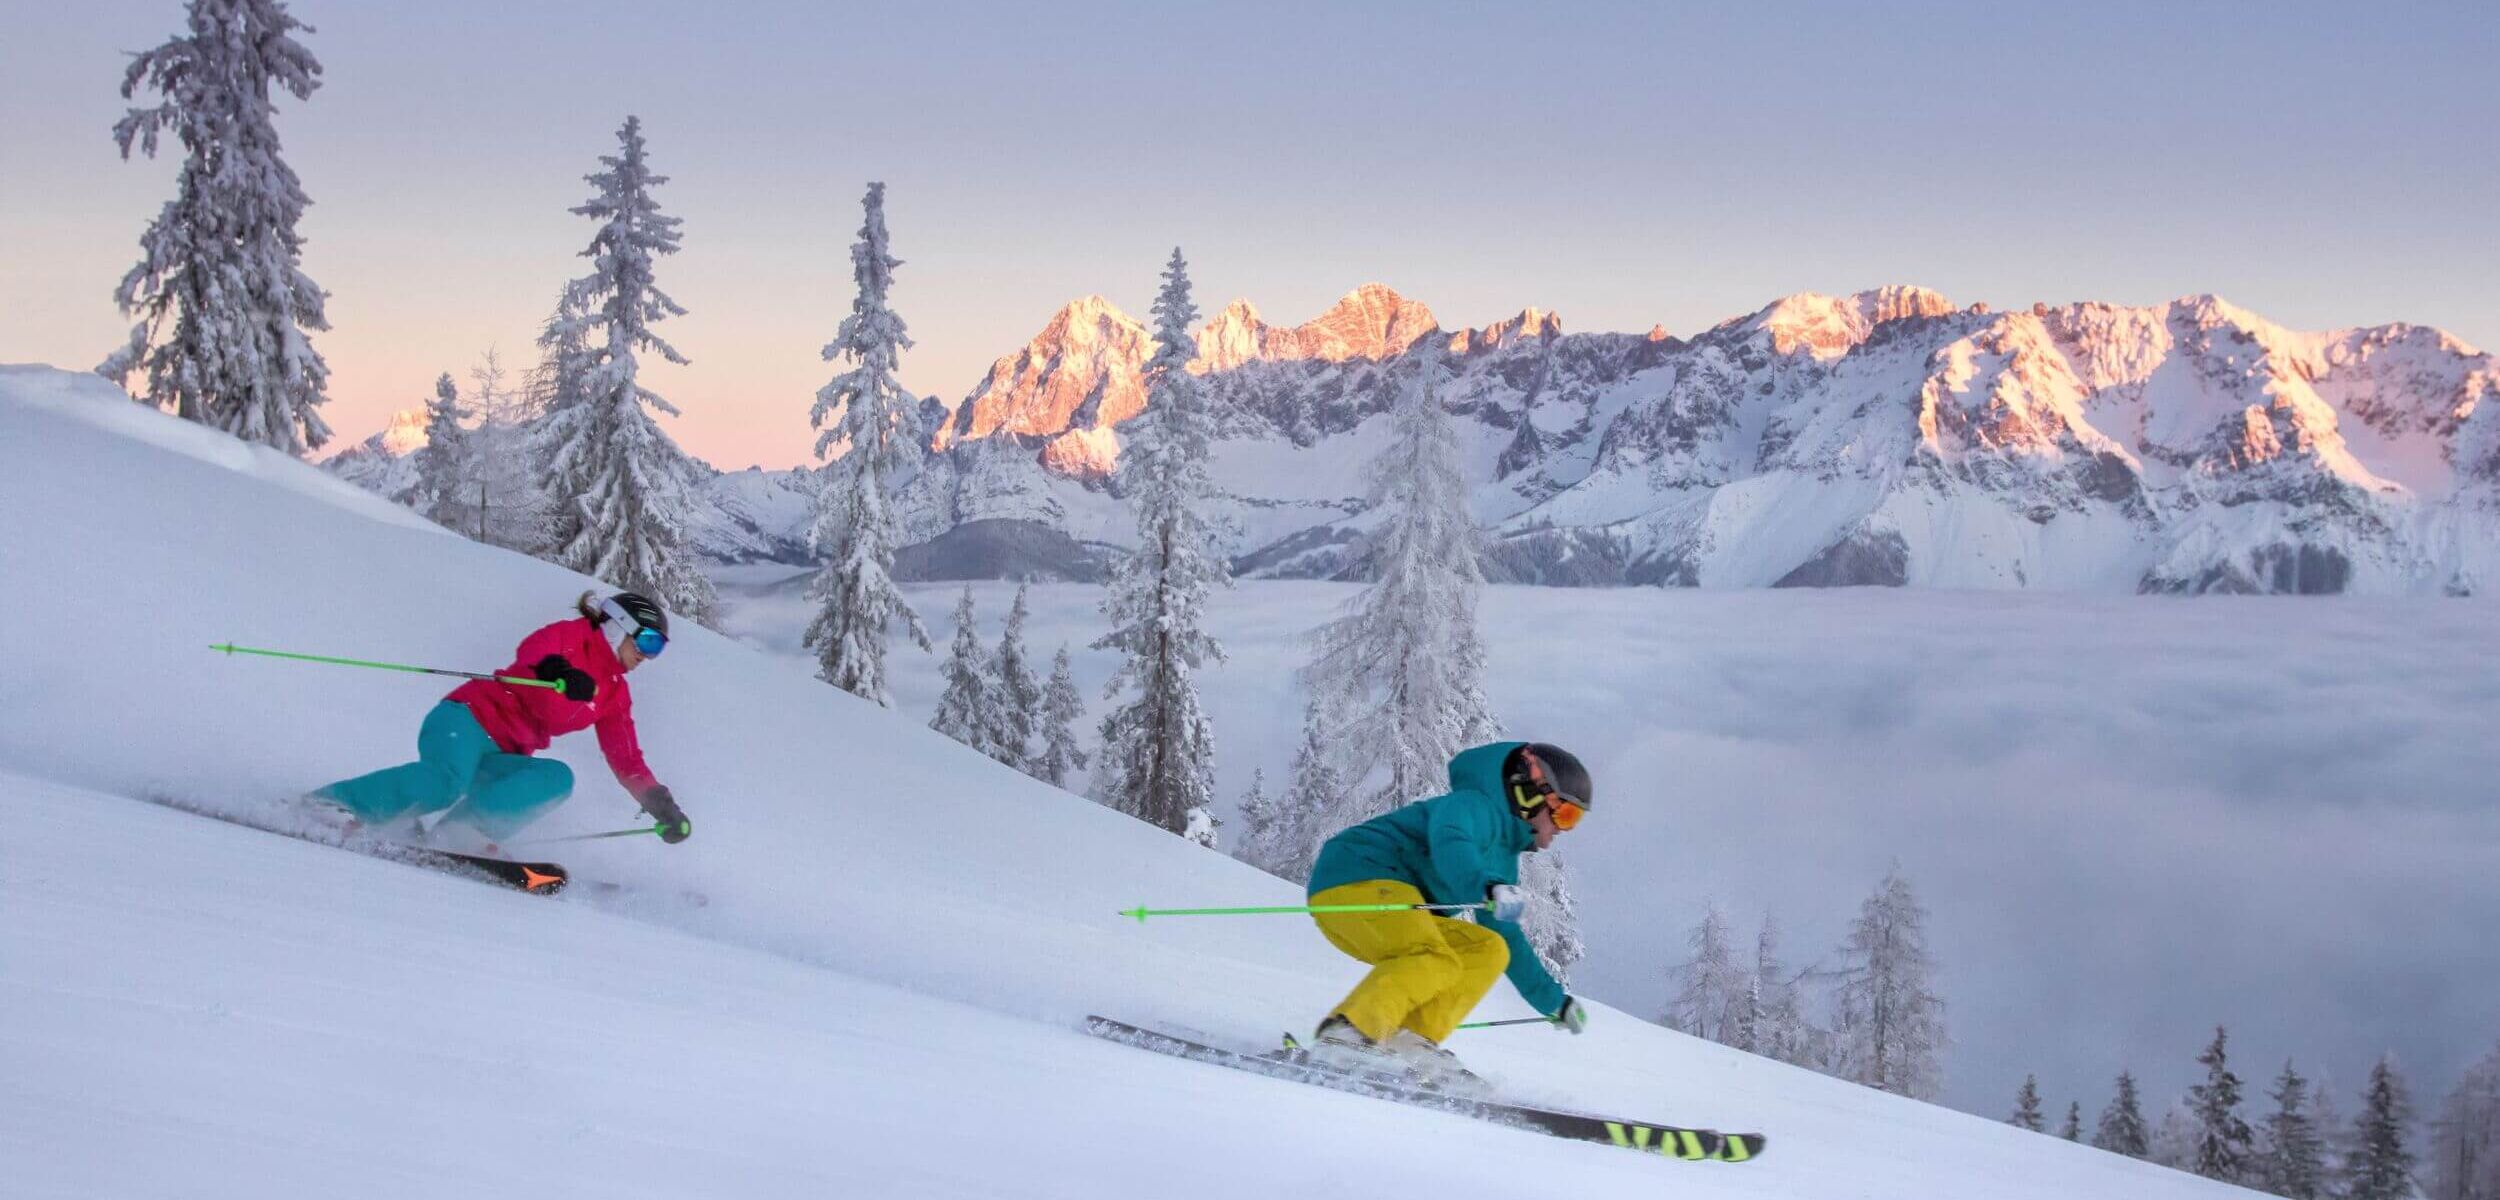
[
  {"x": 1158, "y": 748},
  {"x": 2465, "y": 1142},
  {"x": 1016, "y": 711},
  {"x": 965, "y": 704},
  {"x": 1710, "y": 989},
  {"x": 2222, "y": 1138},
  {"x": 618, "y": 480},
  {"x": 2293, "y": 1164},
  {"x": 1062, "y": 707},
  {"x": 2027, "y": 1106},
  {"x": 871, "y": 414},
  {"x": 2380, "y": 1163},
  {"x": 1404, "y": 660},
  {"x": 2122, "y": 1129},
  {"x": 444, "y": 462},
  {"x": 1891, "y": 1029},
  {"x": 219, "y": 293}
]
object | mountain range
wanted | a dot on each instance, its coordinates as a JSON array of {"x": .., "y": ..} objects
[{"x": 1888, "y": 437}]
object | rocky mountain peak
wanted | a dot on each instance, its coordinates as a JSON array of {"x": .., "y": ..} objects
[
  {"x": 1234, "y": 337},
  {"x": 1827, "y": 327},
  {"x": 404, "y": 434},
  {"x": 1085, "y": 321},
  {"x": 1531, "y": 323},
  {"x": 1081, "y": 369},
  {"x": 1372, "y": 321}
]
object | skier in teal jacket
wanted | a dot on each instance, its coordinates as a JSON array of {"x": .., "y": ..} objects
[{"x": 1462, "y": 847}]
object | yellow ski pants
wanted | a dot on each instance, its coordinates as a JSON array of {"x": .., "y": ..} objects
[{"x": 1428, "y": 971}]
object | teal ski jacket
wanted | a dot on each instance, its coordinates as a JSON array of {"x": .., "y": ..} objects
[{"x": 1451, "y": 848}]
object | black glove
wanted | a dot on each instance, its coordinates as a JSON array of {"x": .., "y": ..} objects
[
  {"x": 674, "y": 827},
  {"x": 573, "y": 682}
]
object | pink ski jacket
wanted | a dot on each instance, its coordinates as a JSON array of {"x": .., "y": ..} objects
[{"x": 522, "y": 720}]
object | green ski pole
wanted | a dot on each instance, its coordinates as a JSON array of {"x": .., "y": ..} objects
[
  {"x": 1513, "y": 1021},
  {"x": 232, "y": 649},
  {"x": 1141, "y": 912}
]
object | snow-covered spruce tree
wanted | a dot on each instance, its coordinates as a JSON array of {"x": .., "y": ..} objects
[
  {"x": 1403, "y": 660},
  {"x": 2072, "y": 1130},
  {"x": 1205, "y": 828},
  {"x": 1262, "y": 817},
  {"x": 621, "y": 508},
  {"x": 1778, "y": 1013},
  {"x": 2465, "y": 1141},
  {"x": 222, "y": 261},
  {"x": 2223, "y": 1149},
  {"x": 2027, "y": 1106},
  {"x": 966, "y": 708},
  {"x": 555, "y": 383},
  {"x": 1891, "y": 1020},
  {"x": 1158, "y": 749},
  {"x": 503, "y": 504},
  {"x": 2121, "y": 1130},
  {"x": 1744, "y": 1020},
  {"x": 1016, "y": 699},
  {"x": 1553, "y": 920},
  {"x": 2292, "y": 1162},
  {"x": 2333, "y": 1133},
  {"x": 2380, "y": 1164},
  {"x": 1315, "y": 791},
  {"x": 2173, "y": 1142},
  {"x": 1709, "y": 988},
  {"x": 1060, "y": 757},
  {"x": 855, "y": 594},
  {"x": 444, "y": 462}
]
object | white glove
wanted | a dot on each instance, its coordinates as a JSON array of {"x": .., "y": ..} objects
[
  {"x": 1573, "y": 1016},
  {"x": 1508, "y": 902}
]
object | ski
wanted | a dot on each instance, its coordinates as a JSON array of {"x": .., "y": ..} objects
[
  {"x": 1670, "y": 1141},
  {"x": 536, "y": 878}
]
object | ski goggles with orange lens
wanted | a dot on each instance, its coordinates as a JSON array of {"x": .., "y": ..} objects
[{"x": 1565, "y": 810}]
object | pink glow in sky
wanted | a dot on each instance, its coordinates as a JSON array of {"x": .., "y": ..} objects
[{"x": 1624, "y": 165}]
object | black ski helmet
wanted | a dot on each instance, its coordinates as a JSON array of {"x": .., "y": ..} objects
[
  {"x": 635, "y": 607},
  {"x": 1537, "y": 770}
]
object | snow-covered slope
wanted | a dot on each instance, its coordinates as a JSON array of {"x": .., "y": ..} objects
[{"x": 879, "y": 999}]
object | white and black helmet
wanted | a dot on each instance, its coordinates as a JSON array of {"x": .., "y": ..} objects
[{"x": 632, "y": 615}]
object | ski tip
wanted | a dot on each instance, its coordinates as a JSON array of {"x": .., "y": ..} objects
[
  {"x": 1138, "y": 912},
  {"x": 535, "y": 880}
]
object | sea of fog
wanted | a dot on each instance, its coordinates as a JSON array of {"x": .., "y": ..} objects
[{"x": 2132, "y": 818}]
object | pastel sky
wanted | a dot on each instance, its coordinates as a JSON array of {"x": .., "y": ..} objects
[{"x": 1624, "y": 164}]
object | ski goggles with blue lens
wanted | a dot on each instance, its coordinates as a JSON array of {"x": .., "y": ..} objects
[
  {"x": 650, "y": 641},
  {"x": 646, "y": 639}
]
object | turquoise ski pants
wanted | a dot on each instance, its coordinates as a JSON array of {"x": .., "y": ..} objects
[{"x": 458, "y": 768}]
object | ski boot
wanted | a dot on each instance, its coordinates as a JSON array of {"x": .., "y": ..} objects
[
  {"x": 1338, "y": 1045},
  {"x": 1431, "y": 1065}
]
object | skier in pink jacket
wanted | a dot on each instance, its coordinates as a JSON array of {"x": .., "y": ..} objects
[{"x": 474, "y": 752}]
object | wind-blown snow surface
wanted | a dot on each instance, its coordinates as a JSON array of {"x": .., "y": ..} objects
[{"x": 880, "y": 997}]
